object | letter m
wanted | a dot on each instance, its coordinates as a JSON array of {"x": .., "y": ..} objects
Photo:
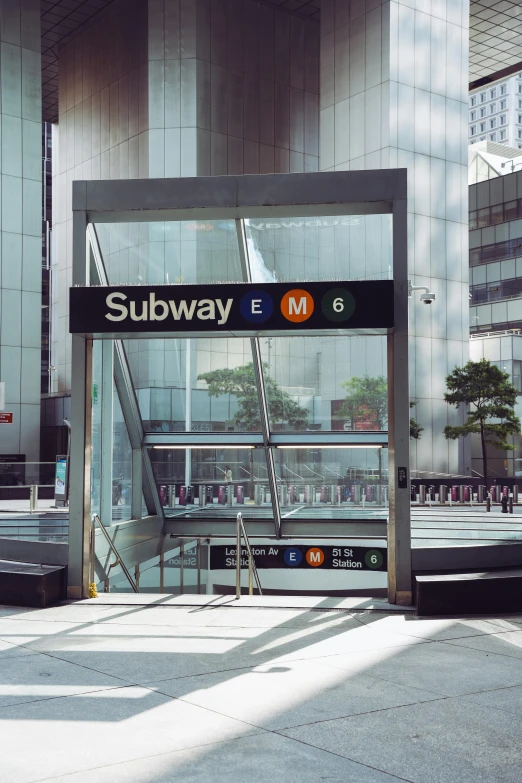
[
  {"x": 315, "y": 557},
  {"x": 293, "y": 307}
]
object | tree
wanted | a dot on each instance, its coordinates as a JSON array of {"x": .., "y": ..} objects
[
  {"x": 491, "y": 398},
  {"x": 241, "y": 382},
  {"x": 415, "y": 427},
  {"x": 366, "y": 404}
]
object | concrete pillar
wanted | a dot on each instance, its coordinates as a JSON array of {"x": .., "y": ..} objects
[
  {"x": 394, "y": 94},
  {"x": 20, "y": 224}
]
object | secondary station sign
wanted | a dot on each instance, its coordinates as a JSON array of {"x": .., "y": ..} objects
[
  {"x": 231, "y": 307},
  {"x": 339, "y": 558}
]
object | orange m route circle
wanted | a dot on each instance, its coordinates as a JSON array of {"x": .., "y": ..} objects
[{"x": 297, "y": 305}]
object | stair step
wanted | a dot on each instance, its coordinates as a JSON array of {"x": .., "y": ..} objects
[{"x": 490, "y": 592}]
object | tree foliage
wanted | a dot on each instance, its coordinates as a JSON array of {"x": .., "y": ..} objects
[
  {"x": 241, "y": 382},
  {"x": 366, "y": 401},
  {"x": 415, "y": 427},
  {"x": 490, "y": 397}
]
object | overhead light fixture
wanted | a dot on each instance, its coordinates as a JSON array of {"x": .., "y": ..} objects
[
  {"x": 335, "y": 446},
  {"x": 197, "y": 446}
]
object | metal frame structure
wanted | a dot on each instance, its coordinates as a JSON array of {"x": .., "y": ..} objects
[{"x": 237, "y": 198}]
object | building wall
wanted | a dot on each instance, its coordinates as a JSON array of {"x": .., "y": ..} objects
[
  {"x": 394, "y": 94},
  {"x": 189, "y": 89},
  {"x": 495, "y": 256},
  {"x": 495, "y": 112},
  {"x": 20, "y": 223}
]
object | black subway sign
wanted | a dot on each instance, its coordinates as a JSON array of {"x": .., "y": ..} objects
[
  {"x": 231, "y": 307},
  {"x": 338, "y": 558}
]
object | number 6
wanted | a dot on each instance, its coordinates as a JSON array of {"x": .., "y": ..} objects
[{"x": 338, "y": 305}]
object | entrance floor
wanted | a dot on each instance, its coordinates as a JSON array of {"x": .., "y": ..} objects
[{"x": 112, "y": 690}]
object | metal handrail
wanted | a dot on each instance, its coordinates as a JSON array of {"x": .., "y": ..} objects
[
  {"x": 251, "y": 563},
  {"x": 96, "y": 519}
]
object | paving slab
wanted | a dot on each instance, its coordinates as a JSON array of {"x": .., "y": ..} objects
[
  {"x": 37, "y": 677},
  {"x": 47, "y": 739},
  {"x": 445, "y": 740},
  {"x": 276, "y": 696},
  {"x": 264, "y": 758},
  {"x": 439, "y": 667}
]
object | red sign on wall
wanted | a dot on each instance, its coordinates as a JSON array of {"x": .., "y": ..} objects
[{"x": 6, "y": 418}]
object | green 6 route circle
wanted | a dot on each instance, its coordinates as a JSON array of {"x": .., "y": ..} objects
[{"x": 338, "y": 305}]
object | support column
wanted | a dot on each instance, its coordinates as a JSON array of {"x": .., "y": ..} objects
[
  {"x": 81, "y": 431},
  {"x": 21, "y": 225},
  {"x": 394, "y": 94},
  {"x": 399, "y": 526}
]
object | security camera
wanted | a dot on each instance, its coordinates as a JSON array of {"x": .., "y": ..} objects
[{"x": 427, "y": 297}]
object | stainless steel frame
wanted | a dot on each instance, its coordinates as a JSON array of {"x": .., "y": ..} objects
[{"x": 329, "y": 193}]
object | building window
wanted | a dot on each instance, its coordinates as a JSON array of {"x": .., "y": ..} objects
[
  {"x": 503, "y": 105},
  {"x": 482, "y": 138},
  {"x": 503, "y": 89},
  {"x": 493, "y": 123},
  {"x": 473, "y": 130},
  {"x": 520, "y": 133},
  {"x": 502, "y": 119},
  {"x": 492, "y": 108},
  {"x": 483, "y": 96},
  {"x": 493, "y": 93},
  {"x": 483, "y": 127},
  {"x": 473, "y": 100},
  {"x": 492, "y": 136},
  {"x": 473, "y": 116},
  {"x": 502, "y": 135},
  {"x": 520, "y": 88},
  {"x": 483, "y": 112}
]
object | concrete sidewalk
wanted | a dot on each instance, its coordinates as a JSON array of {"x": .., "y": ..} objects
[{"x": 96, "y": 692}]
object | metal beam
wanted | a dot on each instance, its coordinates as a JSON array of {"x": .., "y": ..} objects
[
  {"x": 286, "y": 195},
  {"x": 399, "y": 529},
  {"x": 81, "y": 431},
  {"x": 107, "y": 431},
  {"x": 180, "y": 440}
]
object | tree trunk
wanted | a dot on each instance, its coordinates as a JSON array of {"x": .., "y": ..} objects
[{"x": 484, "y": 455}]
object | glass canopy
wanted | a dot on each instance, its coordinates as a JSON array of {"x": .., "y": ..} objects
[{"x": 196, "y": 397}]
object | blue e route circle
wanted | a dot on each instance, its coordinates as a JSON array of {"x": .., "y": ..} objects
[
  {"x": 293, "y": 557},
  {"x": 256, "y": 306}
]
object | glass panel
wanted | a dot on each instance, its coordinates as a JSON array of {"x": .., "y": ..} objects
[
  {"x": 220, "y": 396},
  {"x": 121, "y": 465},
  {"x": 150, "y": 573},
  {"x": 328, "y": 483},
  {"x": 192, "y": 251},
  {"x": 212, "y": 482},
  {"x": 356, "y": 247},
  {"x": 96, "y": 426},
  {"x": 483, "y": 217},
  {"x": 326, "y": 383}
]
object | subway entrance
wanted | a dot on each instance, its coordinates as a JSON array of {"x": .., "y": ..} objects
[{"x": 247, "y": 358}]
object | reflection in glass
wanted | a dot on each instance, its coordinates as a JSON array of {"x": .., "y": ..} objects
[
  {"x": 331, "y": 483},
  {"x": 121, "y": 465},
  {"x": 337, "y": 383},
  {"x": 212, "y": 481},
  {"x": 344, "y": 247},
  {"x": 204, "y": 251},
  {"x": 96, "y": 426}
]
